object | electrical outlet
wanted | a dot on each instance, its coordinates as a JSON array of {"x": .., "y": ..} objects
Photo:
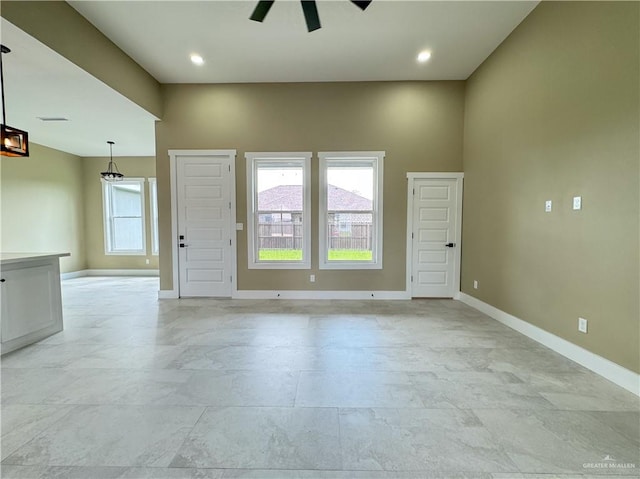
[
  {"x": 582, "y": 325},
  {"x": 547, "y": 206},
  {"x": 475, "y": 284},
  {"x": 577, "y": 202},
  {"x": 147, "y": 260},
  {"x": 312, "y": 278}
]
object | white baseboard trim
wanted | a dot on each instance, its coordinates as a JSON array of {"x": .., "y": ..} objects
[
  {"x": 167, "y": 294},
  {"x": 122, "y": 272},
  {"x": 109, "y": 272},
  {"x": 293, "y": 294},
  {"x": 73, "y": 274},
  {"x": 615, "y": 373}
]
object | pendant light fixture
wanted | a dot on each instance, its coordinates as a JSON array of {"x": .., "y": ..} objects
[
  {"x": 112, "y": 173},
  {"x": 13, "y": 142}
]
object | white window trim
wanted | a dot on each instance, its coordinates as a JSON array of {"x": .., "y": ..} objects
[
  {"x": 303, "y": 159},
  {"x": 376, "y": 158},
  {"x": 107, "y": 222},
  {"x": 153, "y": 211}
]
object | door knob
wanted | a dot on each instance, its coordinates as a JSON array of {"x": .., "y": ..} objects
[{"x": 450, "y": 245}]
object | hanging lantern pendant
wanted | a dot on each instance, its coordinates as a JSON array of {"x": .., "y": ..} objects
[
  {"x": 13, "y": 142},
  {"x": 112, "y": 173}
]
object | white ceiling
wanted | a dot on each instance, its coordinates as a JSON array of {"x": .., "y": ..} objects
[
  {"x": 380, "y": 43},
  {"x": 41, "y": 83}
]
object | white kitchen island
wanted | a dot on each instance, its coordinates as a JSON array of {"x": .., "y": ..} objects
[{"x": 30, "y": 298}]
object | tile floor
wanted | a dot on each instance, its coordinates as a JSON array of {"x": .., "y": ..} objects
[{"x": 198, "y": 388}]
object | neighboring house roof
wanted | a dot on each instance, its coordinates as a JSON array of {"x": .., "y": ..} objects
[
  {"x": 289, "y": 198},
  {"x": 281, "y": 198},
  {"x": 340, "y": 200}
]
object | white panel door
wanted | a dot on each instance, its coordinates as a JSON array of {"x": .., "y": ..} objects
[
  {"x": 204, "y": 225},
  {"x": 434, "y": 236}
]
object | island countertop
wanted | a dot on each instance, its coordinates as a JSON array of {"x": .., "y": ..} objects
[{"x": 8, "y": 258}]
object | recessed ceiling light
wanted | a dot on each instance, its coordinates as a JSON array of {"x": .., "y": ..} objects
[
  {"x": 197, "y": 59},
  {"x": 424, "y": 56}
]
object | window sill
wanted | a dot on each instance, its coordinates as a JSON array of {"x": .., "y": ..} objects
[
  {"x": 282, "y": 265},
  {"x": 350, "y": 266}
]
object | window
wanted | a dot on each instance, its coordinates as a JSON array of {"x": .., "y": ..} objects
[
  {"x": 123, "y": 203},
  {"x": 153, "y": 206},
  {"x": 351, "y": 210},
  {"x": 278, "y": 210}
]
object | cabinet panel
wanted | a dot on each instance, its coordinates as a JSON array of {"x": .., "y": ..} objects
[{"x": 30, "y": 300}]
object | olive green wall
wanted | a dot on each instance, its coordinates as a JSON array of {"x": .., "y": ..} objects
[
  {"x": 52, "y": 202},
  {"x": 42, "y": 205},
  {"x": 418, "y": 124},
  {"x": 60, "y": 27},
  {"x": 554, "y": 113},
  {"x": 132, "y": 167}
]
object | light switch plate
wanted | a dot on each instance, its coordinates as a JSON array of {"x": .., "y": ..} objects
[
  {"x": 547, "y": 206},
  {"x": 239, "y": 226},
  {"x": 577, "y": 202}
]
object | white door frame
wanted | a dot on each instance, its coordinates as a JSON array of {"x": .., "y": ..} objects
[
  {"x": 459, "y": 178},
  {"x": 173, "y": 154}
]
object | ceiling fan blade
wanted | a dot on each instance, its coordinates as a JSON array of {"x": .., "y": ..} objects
[
  {"x": 363, "y": 4},
  {"x": 261, "y": 10},
  {"x": 311, "y": 14}
]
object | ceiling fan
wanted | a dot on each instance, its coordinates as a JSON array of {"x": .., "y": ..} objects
[{"x": 309, "y": 9}]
